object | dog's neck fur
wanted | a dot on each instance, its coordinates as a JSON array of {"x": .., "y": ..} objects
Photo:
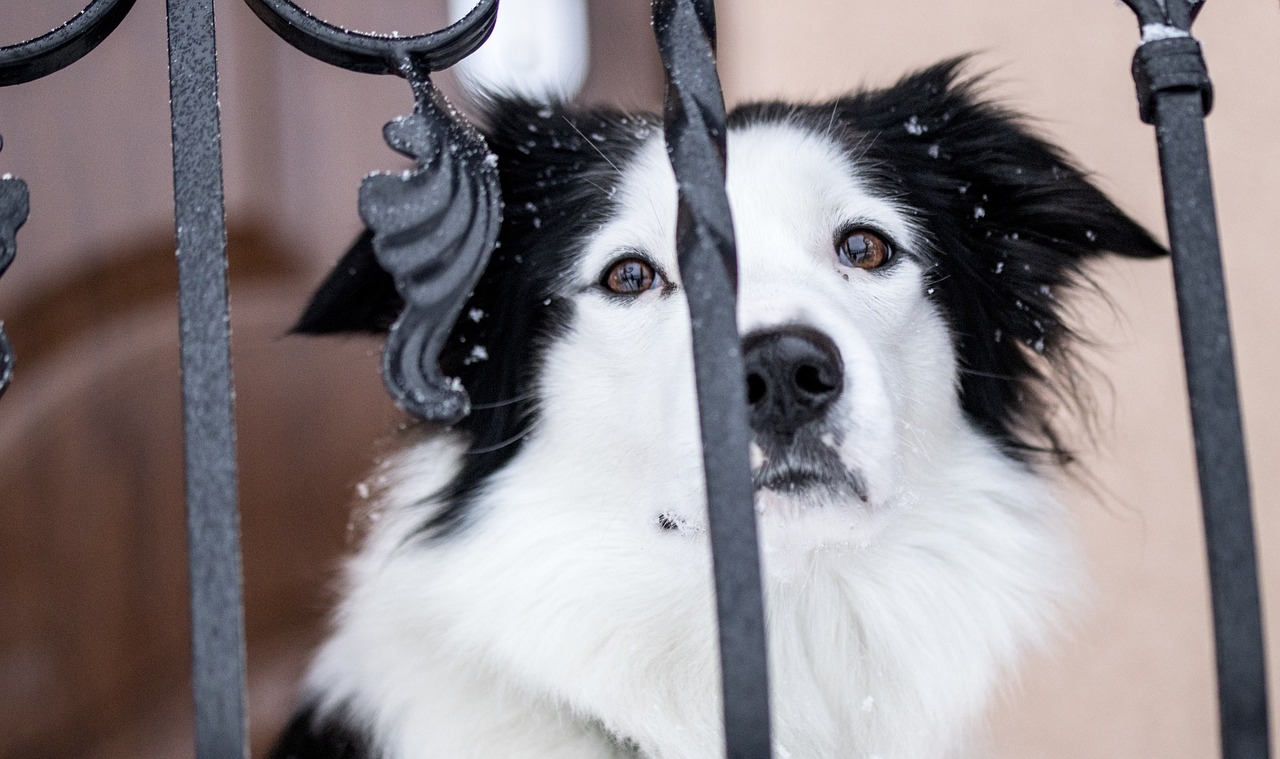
[{"x": 886, "y": 649}]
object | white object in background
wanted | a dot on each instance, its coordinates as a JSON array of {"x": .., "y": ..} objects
[{"x": 538, "y": 48}]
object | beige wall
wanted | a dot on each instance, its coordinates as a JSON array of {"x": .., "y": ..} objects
[{"x": 1135, "y": 676}]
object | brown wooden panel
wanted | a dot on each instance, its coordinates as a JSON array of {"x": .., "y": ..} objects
[{"x": 93, "y": 604}]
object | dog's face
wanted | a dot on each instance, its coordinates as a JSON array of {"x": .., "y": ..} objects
[
  {"x": 901, "y": 255},
  {"x": 845, "y": 355}
]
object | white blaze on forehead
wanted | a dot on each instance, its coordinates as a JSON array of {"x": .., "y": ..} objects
[
  {"x": 788, "y": 186},
  {"x": 644, "y": 219}
]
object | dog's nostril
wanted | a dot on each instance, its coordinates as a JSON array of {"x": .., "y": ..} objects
[
  {"x": 809, "y": 379},
  {"x": 756, "y": 388},
  {"x": 794, "y": 374}
]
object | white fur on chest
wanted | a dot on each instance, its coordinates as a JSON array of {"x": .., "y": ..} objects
[{"x": 549, "y": 636}]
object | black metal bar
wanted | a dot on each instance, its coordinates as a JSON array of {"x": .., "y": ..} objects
[
  {"x": 30, "y": 60},
  {"x": 1174, "y": 94},
  {"x": 1215, "y": 419},
  {"x": 695, "y": 133},
  {"x": 213, "y": 530}
]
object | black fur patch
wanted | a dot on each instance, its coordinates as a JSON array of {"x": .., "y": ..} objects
[
  {"x": 1010, "y": 224},
  {"x": 309, "y": 736}
]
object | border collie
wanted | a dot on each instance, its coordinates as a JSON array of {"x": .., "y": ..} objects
[{"x": 536, "y": 581}]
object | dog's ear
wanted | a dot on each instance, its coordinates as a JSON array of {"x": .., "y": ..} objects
[
  {"x": 357, "y": 296},
  {"x": 958, "y": 154},
  {"x": 1010, "y": 223}
]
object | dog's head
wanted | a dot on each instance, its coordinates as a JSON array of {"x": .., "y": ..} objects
[{"x": 902, "y": 255}]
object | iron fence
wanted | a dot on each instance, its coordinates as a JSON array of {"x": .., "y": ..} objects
[{"x": 1174, "y": 94}]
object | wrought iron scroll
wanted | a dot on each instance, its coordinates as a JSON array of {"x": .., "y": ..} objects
[
  {"x": 433, "y": 227},
  {"x": 1174, "y": 94},
  {"x": 695, "y": 134},
  {"x": 39, "y": 57},
  {"x": 25, "y": 62},
  {"x": 213, "y": 520},
  {"x": 13, "y": 212}
]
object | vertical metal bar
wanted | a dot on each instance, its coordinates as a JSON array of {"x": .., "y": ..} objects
[
  {"x": 695, "y": 133},
  {"x": 1175, "y": 94},
  {"x": 1215, "y": 420},
  {"x": 213, "y": 533}
]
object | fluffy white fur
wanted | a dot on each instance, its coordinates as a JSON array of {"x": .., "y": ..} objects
[{"x": 562, "y": 622}]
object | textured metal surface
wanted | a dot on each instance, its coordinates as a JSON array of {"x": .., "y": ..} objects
[
  {"x": 14, "y": 205},
  {"x": 695, "y": 133},
  {"x": 434, "y": 227},
  {"x": 1174, "y": 94},
  {"x": 213, "y": 530},
  {"x": 373, "y": 53},
  {"x": 30, "y": 60},
  {"x": 433, "y": 231}
]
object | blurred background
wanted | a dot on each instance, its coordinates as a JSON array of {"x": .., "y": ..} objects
[{"x": 93, "y": 615}]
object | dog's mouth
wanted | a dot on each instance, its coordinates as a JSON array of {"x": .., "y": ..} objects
[{"x": 801, "y": 468}]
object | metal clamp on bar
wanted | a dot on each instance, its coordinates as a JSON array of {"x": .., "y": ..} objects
[{"x": 1170, "y": 64}]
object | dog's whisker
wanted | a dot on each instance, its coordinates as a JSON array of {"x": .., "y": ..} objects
[
  {"x": 835, "y": 107},
  {"x": 500, "y": 404},
  {"x": 990, "y": 375},
  {"x": 499, "y": 446},
  {"x": 592, "y": 144}
]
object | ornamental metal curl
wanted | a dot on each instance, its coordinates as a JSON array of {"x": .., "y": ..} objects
[
  {"x": 25, "y": 62},
  {"x": 434, "y": 227},
  {"x": 14, "y": 206},
  {"x": 695, "y": 134},
  {"x": 35, "y": 58},
  {"x": 1174, "y": 94}
]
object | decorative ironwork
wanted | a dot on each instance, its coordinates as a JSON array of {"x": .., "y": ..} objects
[
  {"x": 695, "y": 134},
  {"x": 433, "y": 227},
  {"x": 1174, "y": 94},
  {"x": 14, "y": 205},
  {"x": 25, "y": 62},
  {"x": 35, "y": 58}
]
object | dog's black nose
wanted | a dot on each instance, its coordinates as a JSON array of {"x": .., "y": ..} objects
[{"x": 793, "y": 374}]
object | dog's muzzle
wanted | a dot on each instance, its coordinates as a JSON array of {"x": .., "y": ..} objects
[{"x": 794, "y": 376}]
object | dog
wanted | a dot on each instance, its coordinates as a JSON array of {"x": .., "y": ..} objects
[{"x": 536, "y": 581}]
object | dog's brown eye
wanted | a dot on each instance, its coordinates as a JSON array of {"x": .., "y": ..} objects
[
  {"x": 631, "y": 276},
  {"x": 864, "y": 249}
]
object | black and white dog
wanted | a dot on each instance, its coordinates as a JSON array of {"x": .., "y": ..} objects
[{"x": 536, "y": 582}]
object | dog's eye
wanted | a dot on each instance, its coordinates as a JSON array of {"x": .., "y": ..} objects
[
  {"x": 631, "y": 276},
  {"x": 863, "y": 249}
]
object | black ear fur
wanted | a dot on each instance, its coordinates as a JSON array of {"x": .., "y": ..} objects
[
  {"x": 357, "y": 296},
  {"x": 1010, "y": 225}
]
